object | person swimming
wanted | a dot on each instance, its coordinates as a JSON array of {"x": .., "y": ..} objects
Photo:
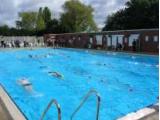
[
  {"x": 130, "y": 89},
  {"x": 50, "y": 53},
  {"x": 43, "y": 67},
  {"x": 26, "y": 84},
  {"x": 47, "y": 56},
  {"x": 56, "y": 74},
  {"x": 133, "y": 57},
  {"x": 31, "y": 56}
]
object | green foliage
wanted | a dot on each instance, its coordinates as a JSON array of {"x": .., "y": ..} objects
[
  {"x": 28, "y": 20},
  {"x": 34, "y": 20},
  {"x": 53, "y": 26},
  {"x": 77, "y": 17},
  {"x": 46, "y": 15},
  {"x": 138, "y": 14},
  {"x": 6, "y": 31},
  {"x": 40, "y": 23}
]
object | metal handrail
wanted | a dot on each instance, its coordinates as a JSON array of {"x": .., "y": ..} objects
[
  {"x": 85, "y": 99},
  {"x": 49, "y": 105}
]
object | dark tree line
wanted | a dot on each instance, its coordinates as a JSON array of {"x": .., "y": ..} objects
[{"x": 137, "y": 14}]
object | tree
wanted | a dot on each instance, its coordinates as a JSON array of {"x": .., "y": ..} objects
[
  {"x": 40, "y": 24},
  {"x": 138, "y": 14},
  {"x": 54, "y": 26},
  {"x": 77, "y": 17},
  {"x": 4, "y": 30},
  {"x": 28, "y": 20},
  {"x": 46, "y": 15}
]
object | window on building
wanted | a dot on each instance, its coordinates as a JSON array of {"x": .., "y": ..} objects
[
  {"x": 146, "y": 38},
  {"x": 155, "y": 38},
  {"x": 114, "y": 40},
  {"x": 120, "y": 39},
  {"x": 99, "y": 39},
  {"x": 109, "y": 41}
]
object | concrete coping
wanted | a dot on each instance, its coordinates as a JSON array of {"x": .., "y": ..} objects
[
  {"x": 141, "y": 113},
  {"x": 11, "y": 109}
]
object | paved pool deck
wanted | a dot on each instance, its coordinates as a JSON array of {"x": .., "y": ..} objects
[
  {"x": 8, "y": 109},
  {"x": 3, "y": 115},
  {"x": 154, "y": 116}
]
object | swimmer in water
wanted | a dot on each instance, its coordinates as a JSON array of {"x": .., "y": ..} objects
[
  {"x": 50, "y": 54},
  {"x": 133, "y": 57},
  {"x": 26, "y": 84},
  {"x": 43, "y": 67},
  {"x": 158, "y": 98},
  {"x": 114, "y": 54},
  {"x": 102, "y": 81},
  {"x": 68, "y": 56},
  {"x": 30, "y": 56},
  {"x": 157, "y": 66},
  {"x": 130, "y": 89},
  {"x": 56, "y": 74},
  {"x": 47, "y": 56},
  {"x": 89, "y": 77}
]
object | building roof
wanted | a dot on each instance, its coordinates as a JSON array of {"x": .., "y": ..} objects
[{"x": 133, "y": 30}]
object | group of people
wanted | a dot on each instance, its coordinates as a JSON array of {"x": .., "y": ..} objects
[
  {"x": 56, "y": 43},
  {"x": 14, "y": 44}
]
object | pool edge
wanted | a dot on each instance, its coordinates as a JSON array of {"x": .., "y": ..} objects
[
  {"x": 11, "y": 109},
  {"x": 142, "y": 113}
]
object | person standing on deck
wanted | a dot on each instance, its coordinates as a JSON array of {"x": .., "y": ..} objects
[{"x": 134, "y": 45}]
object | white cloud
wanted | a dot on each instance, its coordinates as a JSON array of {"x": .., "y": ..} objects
[
  {"x": 103, "y": 8},
  {"x": 9, "y": 8}
]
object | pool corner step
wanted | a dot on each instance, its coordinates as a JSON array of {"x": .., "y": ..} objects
[
  {"x": 146, "y": 112},
  {"x": 10, "y": 108}
]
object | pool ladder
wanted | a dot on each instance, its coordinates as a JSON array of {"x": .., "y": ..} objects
[
  {"x": 92, "y": 91},
  {"x": 48, "y": 107}
]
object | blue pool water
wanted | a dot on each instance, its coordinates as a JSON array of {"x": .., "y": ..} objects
[{"x": 126, "y": 82}]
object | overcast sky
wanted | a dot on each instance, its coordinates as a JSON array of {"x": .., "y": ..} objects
[{"x": 9, "y": 8}]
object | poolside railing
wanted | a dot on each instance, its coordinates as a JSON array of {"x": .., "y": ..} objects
[
  {"x": 92, "y": 91},
  {"x": 49, "y": 106}
]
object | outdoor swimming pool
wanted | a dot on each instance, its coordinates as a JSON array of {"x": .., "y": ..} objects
[{"x": 126, "y": 82}]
